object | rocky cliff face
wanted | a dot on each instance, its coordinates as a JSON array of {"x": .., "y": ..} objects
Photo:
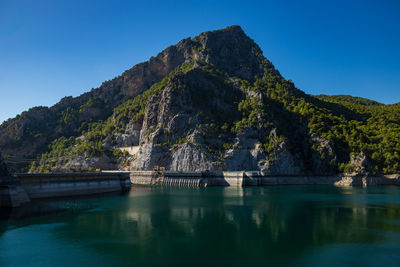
[{"x": 181, "y": 129}]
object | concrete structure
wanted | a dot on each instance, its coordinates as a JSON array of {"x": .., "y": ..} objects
[
  {"x": 195, "y": 179},
  {"x": 15, "y": 191},
  {"x": 19, "y": 189},
  {"x": 12, "y": 194}
]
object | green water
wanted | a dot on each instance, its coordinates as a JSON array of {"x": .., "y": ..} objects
[{"x": 257, "y": 226}]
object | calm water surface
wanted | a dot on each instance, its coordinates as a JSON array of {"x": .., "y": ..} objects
[{"x": 159, "y": 226}]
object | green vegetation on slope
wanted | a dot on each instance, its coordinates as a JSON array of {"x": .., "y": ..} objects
[
  {"x": 377, "y": 133},
  {"x": 349, "y": 99},
  {"x": 351, "y": 125}
]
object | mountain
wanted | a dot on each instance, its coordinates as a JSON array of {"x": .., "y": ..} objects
[{"x": 212, "y": 102}]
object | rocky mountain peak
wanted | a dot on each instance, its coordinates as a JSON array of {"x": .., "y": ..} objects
[{"x": 232, "y": 51}]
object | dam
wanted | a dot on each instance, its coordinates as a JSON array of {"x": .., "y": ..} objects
[
  {"x": 22, "y": 188},
  {"x": 255, "y": 178}
]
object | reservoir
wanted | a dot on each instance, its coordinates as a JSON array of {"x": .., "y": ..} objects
[{"x": 212, "y": 226}]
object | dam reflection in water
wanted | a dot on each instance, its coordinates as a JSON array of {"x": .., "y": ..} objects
[{"x": 289, "y": 225}]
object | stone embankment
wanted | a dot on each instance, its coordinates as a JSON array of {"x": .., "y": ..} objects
[
  {"x": 11, "y": 192},
  {"x": 196, "y": 179},
  {"x": 73, "y": 184},
  {"x": 21, "y": 188}
]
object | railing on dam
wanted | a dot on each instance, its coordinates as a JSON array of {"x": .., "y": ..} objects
[{"x": 187, "y": 179}]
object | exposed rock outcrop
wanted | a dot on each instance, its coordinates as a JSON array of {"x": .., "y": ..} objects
[
  {"x": 359, "y": 162},
  {"x": 324, "y": 157}
]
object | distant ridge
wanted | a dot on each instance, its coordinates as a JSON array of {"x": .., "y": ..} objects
[{"x": 349, "y": 98}]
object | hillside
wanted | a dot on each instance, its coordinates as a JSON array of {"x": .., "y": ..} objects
[
  {"x": 349, "y": 99},
  {"x": 212, "y": 102}
]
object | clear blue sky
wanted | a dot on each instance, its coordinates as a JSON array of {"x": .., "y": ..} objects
[{"x": 51, "y": 49}]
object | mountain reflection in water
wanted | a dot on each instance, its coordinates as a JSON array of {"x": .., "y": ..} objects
[{"x": 288, "y": 225}]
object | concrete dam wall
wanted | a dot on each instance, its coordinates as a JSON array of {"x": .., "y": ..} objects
[
  {"x": 196, "y": 179},
  {"x": 72, "y": 184},
  {"x": 19, "y": 189}
]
